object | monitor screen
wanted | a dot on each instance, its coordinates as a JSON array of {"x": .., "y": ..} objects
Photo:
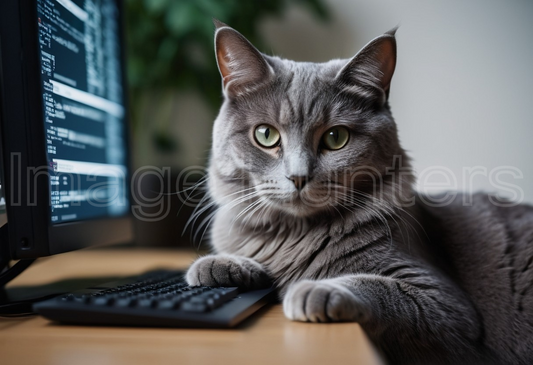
[{"x": 83, "y": 108}]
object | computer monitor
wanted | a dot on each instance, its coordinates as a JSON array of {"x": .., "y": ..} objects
[{"x": 63, "y": 120}]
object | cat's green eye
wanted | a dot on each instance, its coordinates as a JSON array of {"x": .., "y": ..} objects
[
  {"x": 266, "y": 135},
  {"x": 335, "y": 138}
]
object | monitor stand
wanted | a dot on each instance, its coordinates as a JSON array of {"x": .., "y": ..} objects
[
  {"x": 9, "y": 273},
  {"x": 18, "y": 300}
]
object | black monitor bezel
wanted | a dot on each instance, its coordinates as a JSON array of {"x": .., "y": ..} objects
[{"x": 31, "y": 233}]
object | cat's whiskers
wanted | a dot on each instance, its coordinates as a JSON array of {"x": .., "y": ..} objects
[
  {"x": 391, "y": 211},
  {"x": 197, "y": 212},
  {"x": 200, "y": 182},
  {"x": 212, "y": 215},
  {"x": 226, "y": 206},
  {"x": 361, "y": 204},
  {"x": 341, "y": 189},
  {"x": 413, "y": 218},
  {"x": 254, "y": 211},
  {"x": 200, "y": 208},
  {"x": 383, "y": 208},
  {"x": 267, "y": 206},
  {"x": 338, "y": 211},
  {"x": 242, "y": 212},
  {"x": 207, "y": 221}
]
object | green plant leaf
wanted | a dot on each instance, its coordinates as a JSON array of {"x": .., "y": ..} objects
[
  {"x": 156, "y": 6},
  {"x": 180, "y": 18}
]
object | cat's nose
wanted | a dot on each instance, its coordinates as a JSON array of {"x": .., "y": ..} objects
[{"x": 299, "y": 181}]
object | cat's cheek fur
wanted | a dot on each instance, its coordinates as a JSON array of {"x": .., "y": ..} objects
[
  {"x": 228, "y": 270},
  {"x": 322, "y": 301}
]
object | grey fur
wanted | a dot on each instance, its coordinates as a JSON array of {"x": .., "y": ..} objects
[{"x": 448, "y": 284}]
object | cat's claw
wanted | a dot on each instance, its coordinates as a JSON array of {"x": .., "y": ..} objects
[
  {"x": 322, "y": 301},
  {"x": 228, "y": 270}
]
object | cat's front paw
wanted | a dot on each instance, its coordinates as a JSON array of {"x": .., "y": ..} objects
[
  {"x": 322, "y": 301},
  {"x": 228, "y": 270}
]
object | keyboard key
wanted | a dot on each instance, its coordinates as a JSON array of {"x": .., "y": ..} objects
[
  {"x": 165, "y": 304},
  {"x": 193, "y": 307},
  {"x": 144, "y": 303},
  {"x": 122, "y": 302},
  {"x": 197, "y": 300},
  {"x": 68, "y": 297},
  {"x": 211, "y": 304},
  {"x": 99, "y": 300}
]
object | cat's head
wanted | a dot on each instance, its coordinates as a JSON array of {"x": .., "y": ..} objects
[{"x": 302, "y": 138}]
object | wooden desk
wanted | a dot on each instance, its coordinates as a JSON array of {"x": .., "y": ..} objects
[{"x": 266, "y": 338}]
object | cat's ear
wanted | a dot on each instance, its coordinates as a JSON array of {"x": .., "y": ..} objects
[
  {"x": 241, "y": 65},
  {"x": 369, "y": 72}
]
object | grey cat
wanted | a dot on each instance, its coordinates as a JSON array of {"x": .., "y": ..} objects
[{"x": 312, "y": 195}]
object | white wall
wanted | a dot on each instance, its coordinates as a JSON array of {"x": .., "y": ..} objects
[{"x": 462, "y": 94}]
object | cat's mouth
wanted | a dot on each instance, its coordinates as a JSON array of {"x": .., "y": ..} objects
[{"x": 299, "y": 203}]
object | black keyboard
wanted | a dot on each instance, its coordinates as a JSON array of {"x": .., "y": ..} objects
[{"x": 157, "y": 299}]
